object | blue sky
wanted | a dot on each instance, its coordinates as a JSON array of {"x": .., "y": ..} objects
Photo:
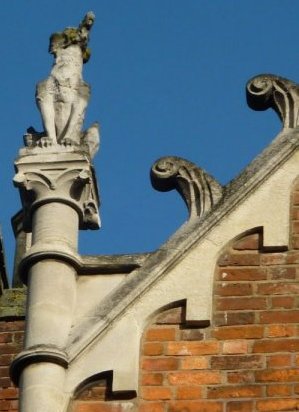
[{"x": 168, "y": 78}]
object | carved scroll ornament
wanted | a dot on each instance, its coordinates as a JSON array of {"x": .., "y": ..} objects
[
  {"x": 199, "y": 190},
  {"x": 282, "y": 95}
]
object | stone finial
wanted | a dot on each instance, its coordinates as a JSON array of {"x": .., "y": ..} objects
[
  {"x": 199, "y": 190},
  {"x": 282, "y": 95},
  {"x": 63, "y": 97}
]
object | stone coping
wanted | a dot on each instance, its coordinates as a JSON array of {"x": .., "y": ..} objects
[{"x": 158, "y": 263}]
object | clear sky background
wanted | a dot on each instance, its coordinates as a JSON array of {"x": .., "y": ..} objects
[{"x": 168, "y": 78}]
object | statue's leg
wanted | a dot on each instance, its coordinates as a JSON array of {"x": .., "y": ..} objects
[
  {"x": 45, "y": 103},
  {"x": 76, "y": 118},
  {"x": 63, "y": 111}
]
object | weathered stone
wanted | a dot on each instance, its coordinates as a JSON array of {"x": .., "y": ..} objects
[
  {"x": 63, "y": 177},
  {"x": 12, "y": 303},
  {"x": 199, "y": 190},
  {"x": 59, "y": 196},
  {"x": 63, "y": 97},
  {"x": 282, "y": 95}
]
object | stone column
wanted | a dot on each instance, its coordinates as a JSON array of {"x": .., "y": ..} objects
[{"x": 59, "y": 196}]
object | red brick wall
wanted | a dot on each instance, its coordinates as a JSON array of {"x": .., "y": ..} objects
[
  {"x": 11, "y": 337},
  {"x": 248, "y": 359}
]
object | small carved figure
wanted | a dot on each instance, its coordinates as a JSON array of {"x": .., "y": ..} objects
[{"x": 62, "y": 98}]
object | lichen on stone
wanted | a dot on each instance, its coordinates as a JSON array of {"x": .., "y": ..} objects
[{"x": 73, "y": 35}]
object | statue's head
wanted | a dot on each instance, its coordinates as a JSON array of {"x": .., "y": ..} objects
[{"x": 74, "y": 35}]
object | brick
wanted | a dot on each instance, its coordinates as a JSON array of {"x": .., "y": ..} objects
[
  {"x": 277, "y": 405},
  {"x": 18, "y": 337},
  {"x": 160, "y": 364},
  {"x": 12, "y": 326},
  {"x": 160, "y": 334},
  {"x": 151, "y": 407},
  {"x": 273, "y": 259},
  {"x": 249, "y": 391},
  {"x": 277, "y": 272},
  {"x": 279, "y": 361},
  {"x": 295, "y": 213},
  {"x": 243, "y": 303},
  {"x": 189, "y": 392},
  {"x": 103, "y": 407},
  {"x": 194, "y": 362},
  {"x": 98, "y": 389},
  {"x": 279, "y": 390},
  {"x": 5, "y": 383},
  {"x": 14, "y": 404},
  {"x": 195, "y": 406},
  {"x": 9, "y": 393},
  {"x": 171, "y": 316},
  {"x": 295, "y": 227},
  {"x": 285, "y": 302},
  {"x": 292, "y": 257},
  {"x": 239, "y": 332},
  {"x": 276, "y": 345},
  {"x": 156, "y": 393},
  {"x": 276, "y": 331},
  {"x": 152, "y": 348},
  {"x": 237, "y": 362},
  {"x": 96, "y": 392},
  {"x": 239, "y": 259},
  {"x": 9, "y": 348},
  {"x": 152, "y": 379},
  {"x": 234, "y": 318},
  {"x": 205, "y": 377},
  {"x": 4, "y": 372},
  {"x": 234, "y": 347},
  {"x": 250, "y": 242},
  {"x": 240, "y": 406},
  {"x": 186, "y": 348},
  {"x": 288, "y": 316},
  {"x": 240, "y": 377},
  {"x": 277, "y": 375},
  {"x": 284, "y": 288},
  {"x": 240, "y": 274},
  {"x": 6, "y": 337},
  {"x": 233, "y": 289},
  {"x": 295, "y": 242},
  {"x": 6, "y": 359},
  {"x": 191, "y": 334},
  {"x": 4, "y": 405}
]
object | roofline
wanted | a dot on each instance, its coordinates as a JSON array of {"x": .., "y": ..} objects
[{"x": 159, "y": 262}]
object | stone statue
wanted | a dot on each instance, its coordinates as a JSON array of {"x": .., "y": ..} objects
[{"x": 62, "y": 98}]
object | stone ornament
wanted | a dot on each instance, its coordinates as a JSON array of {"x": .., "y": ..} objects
[
  {"x": 63, "y": 97},
  {"x": 199, "y": 190},
  {"x": 70, "y": 181},
  {"x": 269, "y": 91}
]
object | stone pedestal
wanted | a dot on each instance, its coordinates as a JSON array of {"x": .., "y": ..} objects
[{"x": 59, "y": 196}]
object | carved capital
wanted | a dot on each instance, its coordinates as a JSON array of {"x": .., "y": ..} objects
[
  {"x": 199, "y": 190},
  {"x": 282, "y": 95},
  {"x": 64, "y": 178}
]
